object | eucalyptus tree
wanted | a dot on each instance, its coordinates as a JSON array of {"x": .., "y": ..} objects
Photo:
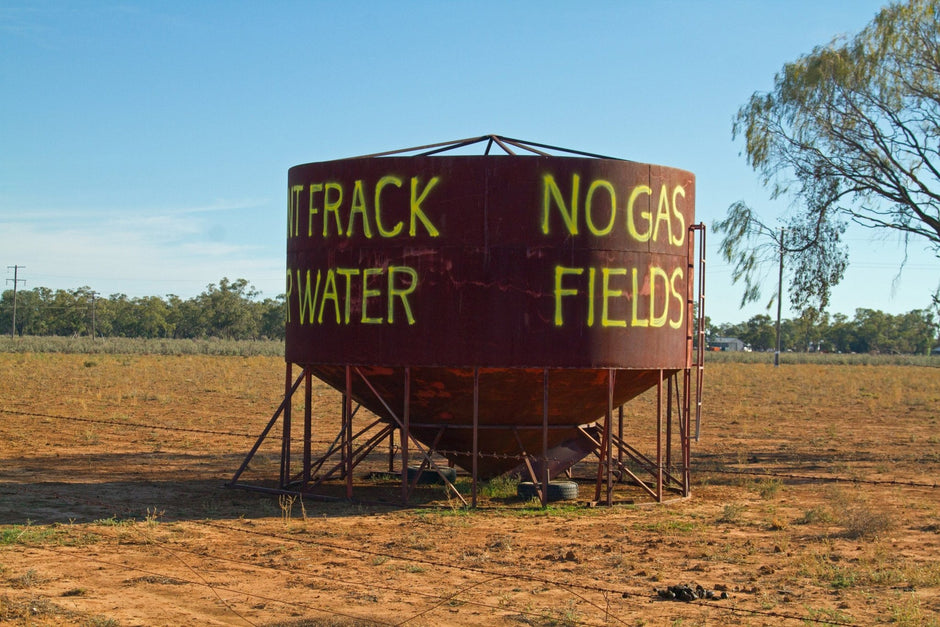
[{"x": 849, "y": 133}]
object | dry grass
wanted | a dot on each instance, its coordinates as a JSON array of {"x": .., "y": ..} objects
[
  {"x": 139, "y": 346},
  {"x": 147, "y": 503}
]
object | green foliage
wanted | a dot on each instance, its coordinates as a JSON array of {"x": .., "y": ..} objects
[
  {"x": 27, "y": 534},
  {"x": 113, "y": 521},
  {"x": 848, "y": 133},
  {"x": 907, "y": 611},
  {"x": 870, "y": 331},
  {"x": 227, "y": 320},
  {"x": 882, "y": 333},
  {"x": 500, "y": 488},
  {"x": 37, "y": 535},
  {"x": 230, "y": 310},
  {"x": 811, "y": 246}
]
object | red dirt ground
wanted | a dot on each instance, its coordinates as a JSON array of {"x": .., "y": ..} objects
[{"x": 814, "y": 501}]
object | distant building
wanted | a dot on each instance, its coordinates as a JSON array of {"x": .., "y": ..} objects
[{"x": 726, "y": 344}]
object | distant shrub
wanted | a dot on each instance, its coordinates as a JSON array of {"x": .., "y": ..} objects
[{"x": 139, "y": 346}]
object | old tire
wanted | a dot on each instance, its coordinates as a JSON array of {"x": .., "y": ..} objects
[{"x": 557, "y": 490}]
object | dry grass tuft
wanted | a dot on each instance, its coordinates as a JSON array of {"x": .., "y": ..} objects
[{"x": 857, "y": 516}]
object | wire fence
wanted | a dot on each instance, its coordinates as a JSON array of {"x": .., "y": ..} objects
[
  {"x": 122, "y": 423},
  {"x": 579, "y": 591},
  {"x": 597, "y": 596},
  {"x": 712, "y": 468},
  {"x": 827, "y": 479}
]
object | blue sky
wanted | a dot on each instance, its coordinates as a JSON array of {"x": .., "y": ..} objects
[{"x": 144, "y": 147}]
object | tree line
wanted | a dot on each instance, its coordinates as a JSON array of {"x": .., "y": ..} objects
[
  {"x": 232, "y": 310},
  {"x": 869, "y": 331},
  {"x": 229, "y": 310}
]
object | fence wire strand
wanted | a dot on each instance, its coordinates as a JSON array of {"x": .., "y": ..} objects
[
  {"x": 521, "y": 458},
  {"x": 438, "y": 600},
  {"x": 568, "y": 587}
]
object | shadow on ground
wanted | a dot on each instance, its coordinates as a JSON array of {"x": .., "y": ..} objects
[{"x": 174, "y": 487}]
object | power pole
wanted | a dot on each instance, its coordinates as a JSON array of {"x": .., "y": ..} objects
[
  {"x": 93, "y": 295},
  {"x": 16, "y": 280},
  {"x": 779, "y": 300}
]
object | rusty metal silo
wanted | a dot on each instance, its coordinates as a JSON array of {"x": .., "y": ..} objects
[{"x": 496, "y": 309}]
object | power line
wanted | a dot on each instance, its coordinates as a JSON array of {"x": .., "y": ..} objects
[
  {"x": 16, "y": 280},
  {"x": 93, "y": 295}
]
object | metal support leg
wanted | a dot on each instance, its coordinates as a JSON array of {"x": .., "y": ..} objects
[
  {"x": 264, "y": 433},
  {"x": 425, "y": 455},
  {"x": 545, "y": 477},
  {"x": 619, "y": 438},
  {"x": 659, "y": 438},
  {"x": 347, "y": 433},
  {"x": 687, "y": 434},
  {"x": 308, "y": 423},
  {"x": 669, "y": 424},
  {"x": 603, "y": 456},
  {"x": 405, "y": 437},
  {"x": 285, "y": 432},
  {"x": 476, "y": 435},
  {"x": 610, "y": 416}
]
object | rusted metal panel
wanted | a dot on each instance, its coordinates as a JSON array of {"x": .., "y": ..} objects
[
  {"x": 495, "y": 262},
  {"x": 507, "y": 265}
]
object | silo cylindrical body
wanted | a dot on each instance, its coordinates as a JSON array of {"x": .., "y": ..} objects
[{"x": 518, "y": 267}]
